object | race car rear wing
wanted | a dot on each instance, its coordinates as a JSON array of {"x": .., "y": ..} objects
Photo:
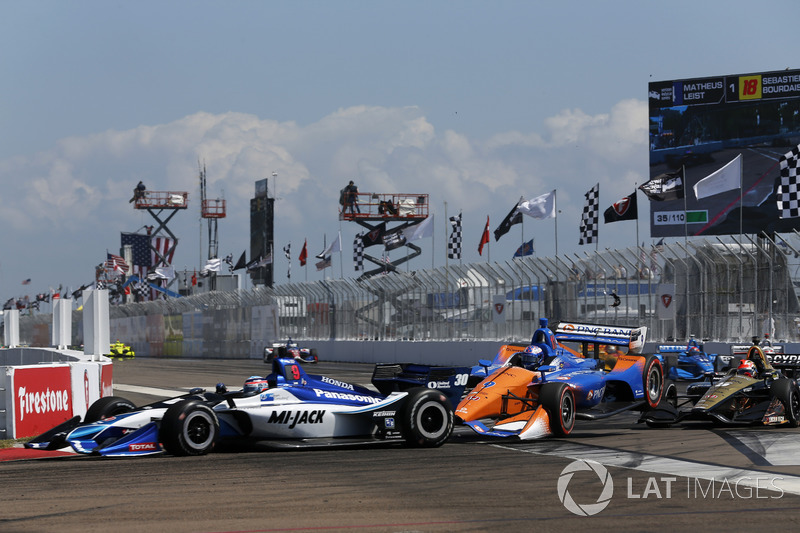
[
  {"x": 633, "y": 338},
  {"x": 392, "y": 377}
]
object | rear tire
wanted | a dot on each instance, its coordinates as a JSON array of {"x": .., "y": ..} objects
[
  {"x": 426, "y": 418},
  {"x": 559, "y": 402},
  {"x": 108, "y": 407},
  {"x": 189, "y": 428},
  {"x": 653, "y": 380},
  {"x": 314, "y": 357},
  {"x": 786, "y": 391}
]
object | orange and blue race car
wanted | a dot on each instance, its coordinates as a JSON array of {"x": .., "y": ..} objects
[{"x": 549, "y": 385}]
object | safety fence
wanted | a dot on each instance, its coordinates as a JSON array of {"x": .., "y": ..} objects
[{"x": 722, "y": 291}]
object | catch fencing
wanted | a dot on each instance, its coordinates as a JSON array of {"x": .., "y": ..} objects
[{"x": 713, "y": 290}]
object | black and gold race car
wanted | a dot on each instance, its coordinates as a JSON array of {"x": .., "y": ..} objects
[{"x": 760, "y": 395}]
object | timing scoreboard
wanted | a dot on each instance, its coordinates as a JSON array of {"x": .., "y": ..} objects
[
  {"x": 698, "y": 125},
  {"x": 725, "y": 89}
]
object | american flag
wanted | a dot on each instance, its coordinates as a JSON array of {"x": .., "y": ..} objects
[
  {"x": 116, "y": 263},
  {"x": 163, "y": 247},
  {"x": 141, "y": 255}
]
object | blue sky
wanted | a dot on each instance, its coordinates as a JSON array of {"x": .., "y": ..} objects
[{"x": 474, "y": 103}]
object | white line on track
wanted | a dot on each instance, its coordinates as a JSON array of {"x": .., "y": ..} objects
[
  {"x": 779, "y": 449},
  {"x": 660, "y": 465}
]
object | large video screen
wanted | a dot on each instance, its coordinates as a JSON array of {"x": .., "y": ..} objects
[{"x": 701, "y": 125}]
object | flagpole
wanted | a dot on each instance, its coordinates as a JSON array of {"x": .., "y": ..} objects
[
  {"x": 741, "y": 196},
  {"x": 597, "y": 241},
  {"x": 446, "y": 255},
  {"x": 685, "y": 209},
  {"x": 341, "y": 258},
  {"x": 433, "y": 244},
  {"x": 489, "y": 242},
  {"x": 636, "y": 188},
  {"x": 555, "y": 205}
]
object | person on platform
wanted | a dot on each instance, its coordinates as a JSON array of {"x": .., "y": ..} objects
[
  {"x": 138, "y": 192},
  {"x": 351, "y": 198}
]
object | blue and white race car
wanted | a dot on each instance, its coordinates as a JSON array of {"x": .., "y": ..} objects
[
  {"x": 689, "y": 362},
  {"x": 290, "y": 349},
  {"x": 413, "y": 405}
]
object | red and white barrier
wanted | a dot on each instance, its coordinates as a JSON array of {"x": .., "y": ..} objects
[{"x": 43, "y": 396}]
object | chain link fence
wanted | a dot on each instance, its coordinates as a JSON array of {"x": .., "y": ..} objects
[{"x": 714, "y": 290}]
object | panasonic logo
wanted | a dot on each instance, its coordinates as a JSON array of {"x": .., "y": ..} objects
[{"x": 330, "y": 395}]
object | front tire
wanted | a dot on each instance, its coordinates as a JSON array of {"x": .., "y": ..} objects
[
  {"x": 189, "y": 428},
  {"x": 426, "y": 418},
  {"x": 786, "y": 391},
  {"x": 108, "y": 407},
  {"x": 559, "y": 402},
  {"x": 653, "y": 380}
]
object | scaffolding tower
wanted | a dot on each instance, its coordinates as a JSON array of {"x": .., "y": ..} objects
[
  {"x": 162, "y": 206},
  {"x": 211, "y": 210},
  {"x": 376, "y": 212}
]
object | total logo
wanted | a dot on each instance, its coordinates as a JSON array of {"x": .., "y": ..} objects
[{"x": 143, "y": 447}]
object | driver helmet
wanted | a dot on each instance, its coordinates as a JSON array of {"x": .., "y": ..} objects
[
  {"x": 532, "y": 356},
  {"x": 255, "y": 384},
  {"x": 694, "y": 350},
  {"x": 747, "y": 368}
]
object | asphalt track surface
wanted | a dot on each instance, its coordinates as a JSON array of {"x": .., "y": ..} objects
[{"x": 661, "y": 479}]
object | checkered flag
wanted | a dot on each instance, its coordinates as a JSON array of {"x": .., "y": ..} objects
[
  {"x": 287, "y": 253},
  {"x": 454, "y": 242},
  {"x": 141, "y": 288},
  {"x": 589, "y": 218},
  {"x": 788, "y": 194},
  {"x": 358, "y": 252}
]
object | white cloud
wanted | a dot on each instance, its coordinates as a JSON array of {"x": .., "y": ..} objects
[{"x": 80, "y": 188}]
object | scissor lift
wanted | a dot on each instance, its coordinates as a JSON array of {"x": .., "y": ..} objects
[
  {"x": 156, "y": 203},
  {"x": 370, "y": 211},
  {"x": 373, "y": 209},
  {"x": 211, "y": 210}
]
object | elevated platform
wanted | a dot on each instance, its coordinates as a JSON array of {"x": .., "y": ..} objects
[
  {"x": 378, "y": 207},
  {"x": 212, "y": 209},
  {"x": 162, "y": 200}
]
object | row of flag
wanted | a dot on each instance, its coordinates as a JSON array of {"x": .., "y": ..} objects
[{"x": 671, "y": 186}]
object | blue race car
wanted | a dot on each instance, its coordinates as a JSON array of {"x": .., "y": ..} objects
[
  {"x": 552, "y": 386},
  {"x": 691, "y": 362},
  {"x": 413, "y": 405},
  {"x": 569, "y": 338}
]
